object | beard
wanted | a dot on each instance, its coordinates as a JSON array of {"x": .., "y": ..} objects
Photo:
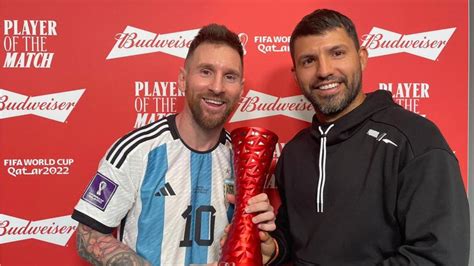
[
  {"x": 334, "y": 104},
  {"x": 208, "y": 120}
]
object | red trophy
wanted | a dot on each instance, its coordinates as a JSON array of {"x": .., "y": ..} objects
[{"x": 253, "y": 152}]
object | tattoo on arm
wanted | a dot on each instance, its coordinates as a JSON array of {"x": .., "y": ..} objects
[
  {"x": 125, "y": 259},
  {"x": 101, "y": 249},
  {"x": 81, "y": 249}
]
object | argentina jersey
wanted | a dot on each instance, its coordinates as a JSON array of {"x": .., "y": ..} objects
[{"x": 167, "y": 199}]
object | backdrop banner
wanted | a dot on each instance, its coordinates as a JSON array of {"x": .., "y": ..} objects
[{"x": 77, "y": 75}]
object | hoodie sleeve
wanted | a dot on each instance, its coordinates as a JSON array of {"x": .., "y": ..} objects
[
  {"x": 433, "y": 212},
  {"x": 281, "y": 234}
]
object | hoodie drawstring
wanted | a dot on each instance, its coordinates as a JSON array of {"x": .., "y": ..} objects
[{"x": 322, "y": 168}]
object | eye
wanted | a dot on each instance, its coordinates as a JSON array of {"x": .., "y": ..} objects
[
  {"x": 338, "y": 53},
  {"x": 231, "y": 78},
  {"x": 307, "y": 61},
  {"x": 205, "y": 72}
]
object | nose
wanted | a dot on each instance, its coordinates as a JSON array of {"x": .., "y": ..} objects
[
  {"x": 217, "y": 85},
  {"x": 325, "y": 68}
]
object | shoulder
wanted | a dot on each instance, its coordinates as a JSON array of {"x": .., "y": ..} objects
[
  {"x": 300, "y": 140},
  {"x": 141, "y": 139},
  {"x": 420, "y": 133}
]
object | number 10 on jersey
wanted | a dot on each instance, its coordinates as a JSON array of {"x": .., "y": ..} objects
[{"x": 200, "y": 226}]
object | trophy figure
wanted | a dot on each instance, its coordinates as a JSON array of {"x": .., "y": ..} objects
[{"x": 253, "y": 153}]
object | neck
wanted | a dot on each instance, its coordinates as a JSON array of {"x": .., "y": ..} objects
[
  {"x": 195, "y": 136},
  {"x": 326, "y": 119}
]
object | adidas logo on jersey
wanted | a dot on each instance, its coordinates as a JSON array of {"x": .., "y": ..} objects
[
  {"x": 380, "y": 137},
  {"x": 166, "y": 190}
]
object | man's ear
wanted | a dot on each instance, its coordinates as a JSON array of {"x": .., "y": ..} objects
[
  {"x": 182, "y": 79},
  {"x": 241, "y": 88},
  {"x": 293, "y": 72},
  {"x": 363, "y": 57}
]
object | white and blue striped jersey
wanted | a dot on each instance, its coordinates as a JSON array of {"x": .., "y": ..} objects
[{"x": 167, "y": 199}]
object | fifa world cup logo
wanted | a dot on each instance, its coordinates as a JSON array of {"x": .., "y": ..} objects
[
  {"x": 102, "y": 186},
  {"x": 253, "y": 152}
]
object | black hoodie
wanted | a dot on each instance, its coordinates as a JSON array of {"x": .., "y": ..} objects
[{"x": 380, "y": 186}]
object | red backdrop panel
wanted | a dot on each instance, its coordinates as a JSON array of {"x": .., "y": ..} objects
[{"x": 71, "y": 83}]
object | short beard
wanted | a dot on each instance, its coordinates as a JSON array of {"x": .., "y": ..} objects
[
  {"x": 209, "y": 122},
  {"x": 331, "y": 105}
]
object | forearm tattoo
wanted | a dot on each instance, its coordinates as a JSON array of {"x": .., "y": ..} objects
[
  {"x": 126, "y": 258},
  {"x": 100, "y": 249}
]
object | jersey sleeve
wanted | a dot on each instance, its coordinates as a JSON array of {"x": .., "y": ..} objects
[{"x": 107, "y": 199}]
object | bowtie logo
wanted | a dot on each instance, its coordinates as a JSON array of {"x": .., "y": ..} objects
[
  {"x": 134, "y": 41},
  {"x": 55, "y": 106},
  {"x": 56, "y": 230},
  {"x": 257, "y": 105},
  {"x": 428, "y": 44}
]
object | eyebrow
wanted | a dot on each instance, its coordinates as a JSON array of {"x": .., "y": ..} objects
[
  {"x": 305, "y": 56},
  {"x": 337, "y": 47},
  {"x": 227, "y": 70},
  {"x": 205, "y": 65},
  {"x": 330, "y": 49}
]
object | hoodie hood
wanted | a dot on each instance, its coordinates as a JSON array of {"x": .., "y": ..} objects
[{"x": 346, "y": 126}]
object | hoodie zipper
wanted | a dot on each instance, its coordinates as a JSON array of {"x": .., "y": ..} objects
[{"x": 322, "y": 168}]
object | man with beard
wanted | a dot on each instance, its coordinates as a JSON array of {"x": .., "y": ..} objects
[
  {"x": 163, "y": 184},
  {"x": 368, "y": 183}
]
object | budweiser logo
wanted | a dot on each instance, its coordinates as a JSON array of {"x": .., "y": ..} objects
[
  {"x": 257, "y": 105},
  {"x": 55, "y": 106},
  {"x": 428, "y": 44},
  {"x": 135, "y": 41},
  {"x": 56, "y": 230}
]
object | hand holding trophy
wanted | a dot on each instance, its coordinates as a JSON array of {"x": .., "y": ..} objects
[{"x": 253, "y": 153}]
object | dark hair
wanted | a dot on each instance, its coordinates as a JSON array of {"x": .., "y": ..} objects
[
  {"x": 319, "y": 22},
  {"x": 217, "y": 34}
]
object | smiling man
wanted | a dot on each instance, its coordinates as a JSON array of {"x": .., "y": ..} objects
[
  {"x": 368, "y": 183},
  {"x": 162, "y": 185}
]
